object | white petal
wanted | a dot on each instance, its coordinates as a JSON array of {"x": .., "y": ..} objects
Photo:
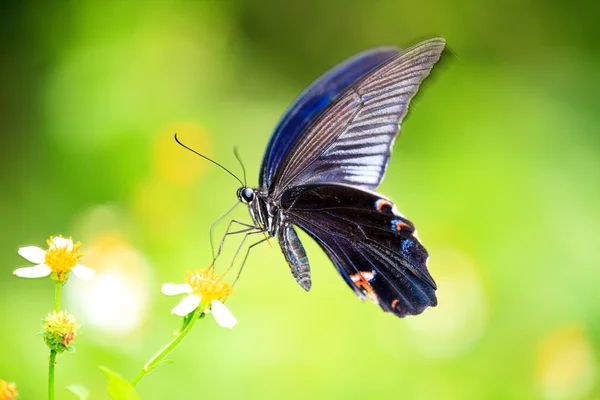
[
  {"x": 33, "y": 254},
  {"x": 39, "y": 271},
  {"x": 173, "y": 289},
  {"x": 222, "y": 315},
  {"x": 59, "y": 242},
  {"x": 82, "y": 272},
  {"x": 187, "y": 305}
]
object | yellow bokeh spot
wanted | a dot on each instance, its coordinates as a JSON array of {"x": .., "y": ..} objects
[
  {"x": 565, "y": 367},
  {"x": 460, "y": 317},
  {"x": 176, "y": 164},
  {"x": 165, "y": 208}
]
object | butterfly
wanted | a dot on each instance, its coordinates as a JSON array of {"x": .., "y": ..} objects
[{"x": 326, "y": 157}]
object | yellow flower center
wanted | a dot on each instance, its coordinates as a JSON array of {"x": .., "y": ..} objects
[
  {"x": 208, "y": 286},
  {"x": 8, "y": 391},
  {"x": 61, "y": 259}
]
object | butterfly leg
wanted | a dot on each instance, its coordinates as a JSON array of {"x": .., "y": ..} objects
[
  {"x": 212, "y": 227},
  {"x": 247, "y": 228},
  {"x": 295, "y": 255},
  {"x": 260, "y": 231},
  {"x": 246, "y": 257}
]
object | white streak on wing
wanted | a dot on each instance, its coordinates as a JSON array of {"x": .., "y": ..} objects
[
  {"x": 364, "y": 150},
  {"x": 366, "y": 160},
  {"x": 369, "y": 139},
  {"x": 379, "y": 109},
  {"x": 366, "y": 179},
  {"x": 368, "y": 174},
  {"x": 381, "y": 121},
  {"x": 400, "y": 89},
  {"x": 377, "y": 130},
  {"x": 367, "y": 169},
  {"x": 375, "y": 139}
]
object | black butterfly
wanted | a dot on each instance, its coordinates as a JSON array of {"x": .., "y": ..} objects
[{"x": 326, "y": 156}]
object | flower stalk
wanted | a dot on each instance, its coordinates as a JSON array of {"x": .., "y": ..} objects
[
  {"x": 51, "y": 374},
  {"x": 158, "y": 358},
  {"x": 52, "y": 363},
  {"x": 57, "y": 290},
  {"x": 205, "y": 293}
]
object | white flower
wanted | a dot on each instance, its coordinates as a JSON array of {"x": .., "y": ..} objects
[
  {"x": 60, "y": 259},
  {"x": 206, "y": 291},
  {"x": 222, "y": 315}
]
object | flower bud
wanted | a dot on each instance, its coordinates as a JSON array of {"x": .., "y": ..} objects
[{"x": 60, "y": 329}]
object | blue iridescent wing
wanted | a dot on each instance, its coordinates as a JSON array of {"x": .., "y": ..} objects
[
  {"x": 350, "y": 141},
  {"x": 316, "y": 97},
  {"x": 373, "y": 247}
]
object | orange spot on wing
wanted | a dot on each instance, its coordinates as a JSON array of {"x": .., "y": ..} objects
[
  {"x": 394, "y": 303},
  {"x": 361, "y": 280},
  {"x": 398, "y": 224},
  {"x": 379, "y": 204}
]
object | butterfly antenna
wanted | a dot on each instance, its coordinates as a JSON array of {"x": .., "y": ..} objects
[
  {"x": 237, "y": 156},
  {"x": 212, "y": 161}
]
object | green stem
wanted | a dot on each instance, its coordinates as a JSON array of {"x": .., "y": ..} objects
[
  {"x": 53, "y": 353},
  {"x": 51, "y": 375},
  {"x": 57, "y": 296},
  {"x": 158, "y": 357}
]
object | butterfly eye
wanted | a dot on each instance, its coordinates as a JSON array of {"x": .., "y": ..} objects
[{"x": 247, "y": 195}]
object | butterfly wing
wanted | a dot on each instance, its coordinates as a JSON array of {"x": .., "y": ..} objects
[
  {"x": 373, "y": 247},
  {"x": 350, "y": 140},
  {"x": 316, "y": 97}
]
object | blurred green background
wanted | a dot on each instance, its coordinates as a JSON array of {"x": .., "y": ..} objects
[{"x": 498, "y": 165}]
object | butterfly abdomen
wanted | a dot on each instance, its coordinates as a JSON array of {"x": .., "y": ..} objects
[{"x": 295, "y": 255}]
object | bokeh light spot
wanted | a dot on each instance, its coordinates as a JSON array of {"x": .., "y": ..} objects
[
  {"x": 461, "y": 314},
  {"x": 175, "y": 164},
  {"x": 565, "y": 367},
  {"x": 116, "y": 301},
  {"x": 161, "y": 206}
]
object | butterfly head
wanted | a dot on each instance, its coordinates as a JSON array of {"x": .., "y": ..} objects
[{"x": 246, "y": 195}]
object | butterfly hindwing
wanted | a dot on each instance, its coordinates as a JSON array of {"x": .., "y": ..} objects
[{"x": 374, "y": 248}]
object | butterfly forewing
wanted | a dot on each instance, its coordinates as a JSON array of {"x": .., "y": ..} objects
[
  {"x": 314, "y": 99},
  {"x": 350, "y": 140}
]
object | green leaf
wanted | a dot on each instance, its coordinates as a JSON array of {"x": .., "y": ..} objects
[
  {"x": 79, "y": 391},
  {"x": 118, "y": 387}
]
